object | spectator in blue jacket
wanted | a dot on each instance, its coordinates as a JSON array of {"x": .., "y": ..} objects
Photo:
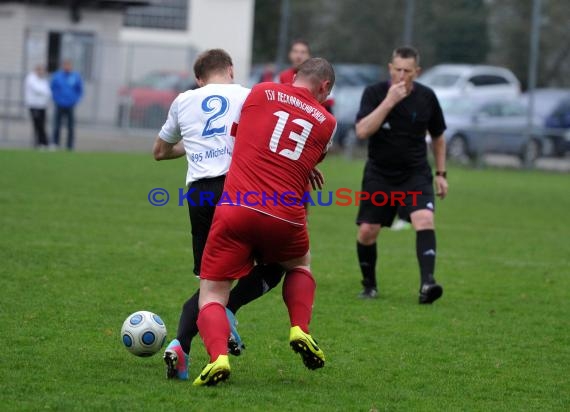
[{"x": 67, "y": 89}]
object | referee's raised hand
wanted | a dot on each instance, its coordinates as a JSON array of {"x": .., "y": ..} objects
[{"x": 397, "y": 92}]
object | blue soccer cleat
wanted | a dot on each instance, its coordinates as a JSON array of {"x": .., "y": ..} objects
[
  {"x": 177, "y": 362},
  {"x": 235, "y": 345}
]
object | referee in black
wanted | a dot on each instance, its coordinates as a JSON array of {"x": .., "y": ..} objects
[{"x": 395, "y": 116}]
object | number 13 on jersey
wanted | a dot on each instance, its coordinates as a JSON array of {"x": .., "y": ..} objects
[{"x": 300, "y": 139}]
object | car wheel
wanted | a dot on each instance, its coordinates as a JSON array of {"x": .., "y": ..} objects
[
  {"x": 457, "y": 149},
  {"x": 531, "y": 152},
  {"x": 557, "y": 145}
]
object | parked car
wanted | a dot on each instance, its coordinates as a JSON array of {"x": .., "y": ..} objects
[
  {"x": 351, "y": 80},
  {"x": 552, "y": 107},
  {"x": 146, "y": 102},
  {"x": 479, "y": 126},
  {"x": 456, "y": 80}
]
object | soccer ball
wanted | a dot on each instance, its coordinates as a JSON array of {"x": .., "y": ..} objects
[{"x": 143, "y": 333}]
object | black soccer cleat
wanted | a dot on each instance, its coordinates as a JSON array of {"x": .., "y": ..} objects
[
  {"x": 429, "y": 293},
  {"x": 368, "y": 293}
]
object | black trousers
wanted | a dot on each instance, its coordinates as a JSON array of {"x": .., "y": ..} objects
[
  {"x": 60, "y": 113},
  {"x": 202, "y": 213},
  {"x": 39, "y": 123}
]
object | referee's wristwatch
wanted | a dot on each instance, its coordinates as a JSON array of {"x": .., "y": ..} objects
[{"x": 442, "y": 174}]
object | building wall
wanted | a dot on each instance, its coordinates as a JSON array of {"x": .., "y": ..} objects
[
  {"x": 12, "y": 22},
  {"x": 105, "y": 26},
  {"x": 24, "y": 30},
  {"x": 24, "y": 38},
  {"x": 226, "y": 24},
  {"x": 120, "y": 55}
]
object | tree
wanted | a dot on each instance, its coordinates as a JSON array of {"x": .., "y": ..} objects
[
  {"x": 511, "y": 23},
  {"x": 266, "y": 30},
  {"x": 452, "y": 31},
  {"x": 460, "y": 34}
]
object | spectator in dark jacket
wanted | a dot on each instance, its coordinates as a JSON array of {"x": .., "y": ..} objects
[{"x": 66, "y": 89}]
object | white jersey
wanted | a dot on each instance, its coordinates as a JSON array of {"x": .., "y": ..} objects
[{"x": 203, "y": 119}]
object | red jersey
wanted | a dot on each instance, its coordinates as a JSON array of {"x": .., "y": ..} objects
[
  {"x": 287, "y": 76},
  {"x": 282, "y": 134}
]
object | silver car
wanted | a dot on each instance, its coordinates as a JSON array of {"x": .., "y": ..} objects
[{"x": 476, "y": 127}]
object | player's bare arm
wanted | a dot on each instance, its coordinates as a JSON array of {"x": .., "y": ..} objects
[
  {"x": 438, "y": 147},
  {"x": 370, "y": 124},
  {"x": 164, "y": 151}
]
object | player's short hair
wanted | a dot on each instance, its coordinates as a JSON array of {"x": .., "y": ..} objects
[
  {"x": 300, "y": 41},
  {"x": 317, "y": 69},
  {"x": 210, "y": 62},
  {"x": 407, "y": 52}
]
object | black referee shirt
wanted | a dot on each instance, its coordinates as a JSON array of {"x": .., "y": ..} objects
[{"x": 398, "y": 149}]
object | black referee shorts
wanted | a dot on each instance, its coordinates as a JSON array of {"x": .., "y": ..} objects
[
  {"x": 203, "y": 196},
  {"x": 414, "y": 193}
]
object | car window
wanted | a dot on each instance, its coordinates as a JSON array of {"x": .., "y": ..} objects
[
  {"x": 491, "y": 109},
  {"x": 563, "y": 109},
  {"x": 487, "y": 80},
  {"x": 456, "y": 107},
  {"x": 544, "y": 103},
  {"x": 357, "y": 74},
  {"x": 441, "y": 79},
  {"x": 513, "y": 109}
]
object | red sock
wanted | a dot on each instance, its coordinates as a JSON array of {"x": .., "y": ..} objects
[
  {"x": 299, "y": 295},
  {"x": 214, "y": 329}
]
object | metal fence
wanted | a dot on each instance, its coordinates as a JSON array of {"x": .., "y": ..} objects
[
  {"x": 125, "y": 86},
  {"x": 128, "y": 88}
]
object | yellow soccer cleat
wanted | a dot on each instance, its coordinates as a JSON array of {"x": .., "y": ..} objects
[
  {"x": 214, "y": 373},
  {"x": 307, "y": 347}
]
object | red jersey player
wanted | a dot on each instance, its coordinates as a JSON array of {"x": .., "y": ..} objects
[
  {"x": 284, "y": 132},
  {"x": 298, "y": 53}
]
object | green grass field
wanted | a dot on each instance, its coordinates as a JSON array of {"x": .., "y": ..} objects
[{"x": 81, "y": 248}]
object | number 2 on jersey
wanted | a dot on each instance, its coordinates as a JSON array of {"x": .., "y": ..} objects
[
  {"x": 218, "y": 106},
  {"x": 296, "y": 137}
]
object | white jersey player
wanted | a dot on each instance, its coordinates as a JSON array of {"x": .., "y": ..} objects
[{"x": 199, "y": 126}]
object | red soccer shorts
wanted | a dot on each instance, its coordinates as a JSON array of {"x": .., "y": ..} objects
[{"x": 239, "y": 234}]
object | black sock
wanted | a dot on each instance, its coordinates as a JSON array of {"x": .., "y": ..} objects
[
  {"x": 187, "y": 327},
  {"x": 367, "y": 259},
  {"x": 425, "y": 250},
  {"x": 260, "y": 280}
]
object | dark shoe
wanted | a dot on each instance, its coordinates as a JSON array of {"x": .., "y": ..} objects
[
  {"x": 368, "y": 293},
  {"x": 430, "y": 292},
  {"x": 177, "y": 362},
  {"x": 235, "y": 345}
]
